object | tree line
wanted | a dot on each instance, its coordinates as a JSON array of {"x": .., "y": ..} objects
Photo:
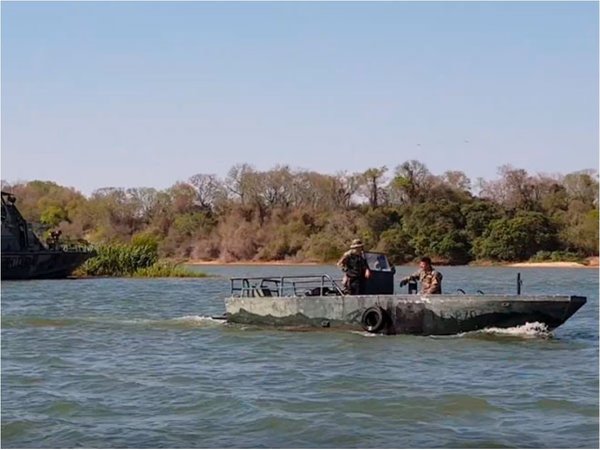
[{"x": 302, "y": 215}]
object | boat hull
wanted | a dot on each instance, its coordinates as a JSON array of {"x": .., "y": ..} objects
[
  {"x": 404, "y": 314},
  {"x": 41, "y": 264}
]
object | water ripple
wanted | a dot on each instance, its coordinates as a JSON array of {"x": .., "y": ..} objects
[{"x": 118, "y": 363}]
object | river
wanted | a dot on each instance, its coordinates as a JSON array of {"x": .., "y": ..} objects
[{"x": 140, "y": 363}]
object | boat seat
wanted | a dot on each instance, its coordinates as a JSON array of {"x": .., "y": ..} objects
[
  {"x": 317, "y": 291},
  {"x": 262, "y": 292}
]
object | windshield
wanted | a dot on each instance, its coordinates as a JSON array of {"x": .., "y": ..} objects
[{"x": 377, "y": 262}]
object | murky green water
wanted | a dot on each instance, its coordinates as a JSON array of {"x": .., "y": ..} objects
[{"x": 139, "y": 363}]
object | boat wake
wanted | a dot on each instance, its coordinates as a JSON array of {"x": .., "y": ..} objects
[
  {"x": 53, "y": 323},
  {"x": 529, "y": 330},
  {"x": 535, "y": 330},
  {"x": 198, "y": 320},
  {"x": 178, "y": 322},
  {"x": 366, "y": 333}
]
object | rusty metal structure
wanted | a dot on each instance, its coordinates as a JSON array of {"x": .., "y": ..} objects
[{"x": 25, "y": 257}]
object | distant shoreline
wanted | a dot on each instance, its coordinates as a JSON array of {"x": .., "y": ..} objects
[
  {"x": 553, "y": 264},
  {"x": 198, "y": 262},
  {"x": 592, "y": 264}
]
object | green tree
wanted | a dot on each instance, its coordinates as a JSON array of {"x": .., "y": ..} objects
[
  {"x": 395, "y": 242},
  {"x": 517, "y": 238},
  {"x": 372, "y": 179},
  {"x": 582, "y": 234},
  {"x": 53, "y": 216},
  {"x": 410, "y": 183},
  {"x": 478, "y": 215},
  {"x": 436, "y": 229}
]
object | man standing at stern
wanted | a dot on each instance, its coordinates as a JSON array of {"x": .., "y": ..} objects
[{"x": 354, "y": 266}]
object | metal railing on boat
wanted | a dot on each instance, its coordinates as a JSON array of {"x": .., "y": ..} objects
[{"x": 286, "y": 286}]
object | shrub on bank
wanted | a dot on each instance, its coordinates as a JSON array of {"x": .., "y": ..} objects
[
  {"x": 117, "y": 260},
  {"x": 141, "y": 260},
  {"x": 557, "y": 256},
  {"x": 167, "y": 269}
]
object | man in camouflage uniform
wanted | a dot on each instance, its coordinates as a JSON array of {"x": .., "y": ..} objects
[
  {"x": 431, "y": 279},
  {"x": 355, "y": 268}
]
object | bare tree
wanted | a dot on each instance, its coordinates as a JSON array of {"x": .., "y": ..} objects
[
  {"x": 144, "y": 200},
  {"x": 208, "y": 189},
  {"x": 583, "y": 186},
  {"x": 183, "y": 197},
  {"x": 277, "y": 187},
  {"x": 457, "y": 179},
  {"x": 238, "y": 179},
  {"x": 346, "y": 185},
  {"x": 514, "y": 189}
]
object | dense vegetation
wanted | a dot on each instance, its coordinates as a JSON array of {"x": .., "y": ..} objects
[
  {"x": 304, "y": 215},
  {"x": 138, "y": 259}
]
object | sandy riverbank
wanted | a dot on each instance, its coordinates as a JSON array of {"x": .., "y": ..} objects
[
  {"x": 560, "y": 265},
  {"x": 194, "y": 262},
  {"x": 591, "y": 263}
]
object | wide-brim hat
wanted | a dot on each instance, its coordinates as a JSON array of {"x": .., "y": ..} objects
[{"x": 356, "y": 243}]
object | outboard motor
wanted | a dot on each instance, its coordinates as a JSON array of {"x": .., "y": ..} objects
[{"x": 381, "y": 280}]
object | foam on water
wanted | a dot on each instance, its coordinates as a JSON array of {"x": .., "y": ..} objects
[
  {"x": 366, "y": 333},
  {"x": 184, "y": 321},
  {"x": 198, "y": 320},
  {"x": 53, "y": 322},
  {"x": 529, "y": 330}
]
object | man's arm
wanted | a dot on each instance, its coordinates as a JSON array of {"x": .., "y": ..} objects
[
  {"x": 366, "y": 270},
  {"x": 342, "y": 261},
  {"x": 414, "y": 277}
]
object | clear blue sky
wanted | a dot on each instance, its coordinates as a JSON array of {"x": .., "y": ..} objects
[{"x": 146, "y": 94}]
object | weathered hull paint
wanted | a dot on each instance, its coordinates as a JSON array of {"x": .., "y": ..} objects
[
  {"x": 405, "y": 314},
  {"x": 41, "y": 264}
]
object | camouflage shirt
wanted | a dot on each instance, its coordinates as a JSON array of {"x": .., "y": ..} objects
[
  {"x": 431, "y": 281},
  {"x": 353, "y": 263}
]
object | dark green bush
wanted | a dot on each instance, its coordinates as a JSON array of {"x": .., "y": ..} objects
[
  {"x": 557, "y": 256},
  {"x": 167, "y": 269},
  {"x": 517, "y": 238},
  {"x": 119, "y": 260}
]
